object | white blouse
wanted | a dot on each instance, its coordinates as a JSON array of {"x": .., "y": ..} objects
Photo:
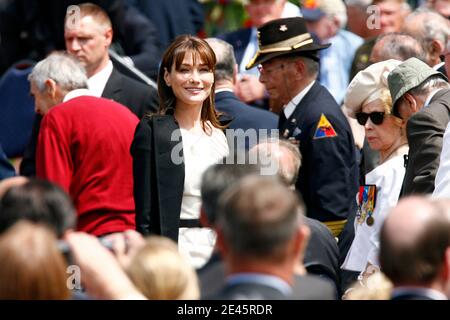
[
  {"x": 388, "y": 178},
  {"x": 199, "y": 151}
]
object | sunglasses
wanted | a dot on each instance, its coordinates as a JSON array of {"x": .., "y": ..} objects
[{"x": 376, "y": 117}]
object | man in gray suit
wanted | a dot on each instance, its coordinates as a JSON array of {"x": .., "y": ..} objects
[{"x": 421, "y": 96}]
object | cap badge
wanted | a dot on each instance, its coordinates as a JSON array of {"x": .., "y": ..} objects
[{"x": 283, "y": 28}]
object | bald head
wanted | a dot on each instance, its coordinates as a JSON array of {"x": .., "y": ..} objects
[
  {"x": 414, "y": 242},
  {"x": 431, "y": 30},
  {"x": 283, "y": 154},
  {"x": 396, "y": 46},
  {"x": 409, "y": 219}
]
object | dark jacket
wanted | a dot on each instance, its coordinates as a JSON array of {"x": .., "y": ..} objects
[
  {"x": 158, "y": 181},
  {"x": 6, "y": 169},
  {"x": 328, "y": 177},
  {"x": 244, "y": 116},
  {"x": 425, "y": 131}
]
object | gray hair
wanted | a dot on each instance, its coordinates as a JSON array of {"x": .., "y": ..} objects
[
  {"x": 225, "y": 58},
  {"x": 287, "y": 173},
  {"x": 432, "y": 83},
  {"x": 433, "y": 26},
  {"x": 399, "y": 46},
  {"x": 65, "y": 70}
]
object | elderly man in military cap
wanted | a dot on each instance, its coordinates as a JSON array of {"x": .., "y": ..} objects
[
  {"x": 289, "y": 61},
  {"x": 420, "y": 95}
]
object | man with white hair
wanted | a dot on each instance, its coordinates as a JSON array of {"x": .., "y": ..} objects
[
  {"x": 327, "y": 20},
  {"x": 432, "y": 31},
  {"x": 83, "y": 145}
]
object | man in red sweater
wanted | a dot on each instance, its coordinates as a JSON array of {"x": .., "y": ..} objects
[{"x": 83, "y": 145}]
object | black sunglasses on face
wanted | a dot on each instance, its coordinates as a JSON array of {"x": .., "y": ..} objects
[{"x": 376, "y": 117}]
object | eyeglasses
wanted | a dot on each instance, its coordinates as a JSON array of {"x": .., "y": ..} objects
[
  {"x": 269, "y": 71},
  {"x": 376, "y": 117}
]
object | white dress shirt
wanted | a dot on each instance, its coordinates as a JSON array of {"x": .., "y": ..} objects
[{"x": 97, "y": 82}]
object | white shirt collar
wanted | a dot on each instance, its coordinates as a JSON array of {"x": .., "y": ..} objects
[
  {"x": 427, "y": 292},
  {"x": 98, "y": 81},
  {"x": 223, "y": 90},
  {"x": 76, "y": 93},
  {"x": 289, "y": 108}
]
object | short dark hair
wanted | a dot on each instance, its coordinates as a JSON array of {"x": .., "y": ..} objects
[
  {"x": 38, "y": 201},
  {"x": 259, "y": 216},
  {"x": 420, "y": 260}
]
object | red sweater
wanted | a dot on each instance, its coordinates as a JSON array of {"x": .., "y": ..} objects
[{"x": 83, "y": 146}]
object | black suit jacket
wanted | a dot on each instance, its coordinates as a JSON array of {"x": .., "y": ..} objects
[
  {"x": 328, "y": 177},
  {"x": 158, "y": 180},
  {"x": 244, "y": 116},
  {"x": 425, "y": 130},
  {"x": 136, "y": 96}
]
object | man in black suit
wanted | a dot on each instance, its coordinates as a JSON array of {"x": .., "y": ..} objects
[
  {"x": 321, "y": 255},
  {"x": 415, "y": 249},
  {"x": 243, "y": 116},
  {"x": 88, "y": 37},
  {"x": 421, "y": 96},
  {"x": 311, "y": 118},
  {"x": 261, "y": 237}
]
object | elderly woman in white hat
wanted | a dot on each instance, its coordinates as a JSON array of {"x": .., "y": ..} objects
[{"x": 369, "y": 101}]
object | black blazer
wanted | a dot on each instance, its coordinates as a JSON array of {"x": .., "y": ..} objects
[
  {"x": 158, "y": 181},
  {"x": 425, "y": 131},
  {"x": 328, "y": 177},
  {"x": 135, "y": 95},
  {"x": 244, "y": 116}
]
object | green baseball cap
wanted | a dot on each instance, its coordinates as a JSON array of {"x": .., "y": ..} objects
[{"x": 408, "y": 75}]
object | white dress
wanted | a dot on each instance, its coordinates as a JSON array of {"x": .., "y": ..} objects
[
  {"x": 388, "y": 178},
  {"x": 199, "y": 151}
]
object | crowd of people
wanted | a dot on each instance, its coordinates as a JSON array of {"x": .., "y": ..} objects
[{"x": 304, "y": 158}]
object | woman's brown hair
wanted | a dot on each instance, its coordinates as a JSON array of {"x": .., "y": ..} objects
[
  {"x": 174, "y": 55},
  {"x": 31, "y": 268}
]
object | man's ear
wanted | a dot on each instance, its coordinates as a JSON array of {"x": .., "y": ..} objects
[
  {"x": 221, "y": 243},
  {"x": 109, "y": 36},
  {"x": 435, "y": 51},
  {"x": 301, "y": 241},
  {"x": 51, "y": 88},
  {"x": 235, "y": 73}
]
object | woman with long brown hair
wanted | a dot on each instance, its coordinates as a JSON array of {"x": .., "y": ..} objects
[{"x": 171, "y": 150}]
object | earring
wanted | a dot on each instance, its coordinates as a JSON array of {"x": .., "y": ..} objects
[{"x": 168, "y": 84}]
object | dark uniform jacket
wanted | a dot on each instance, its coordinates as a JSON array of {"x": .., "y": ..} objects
[
  {"x": 425, "y": 130},
  {"x": 328, "y": 177}
]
